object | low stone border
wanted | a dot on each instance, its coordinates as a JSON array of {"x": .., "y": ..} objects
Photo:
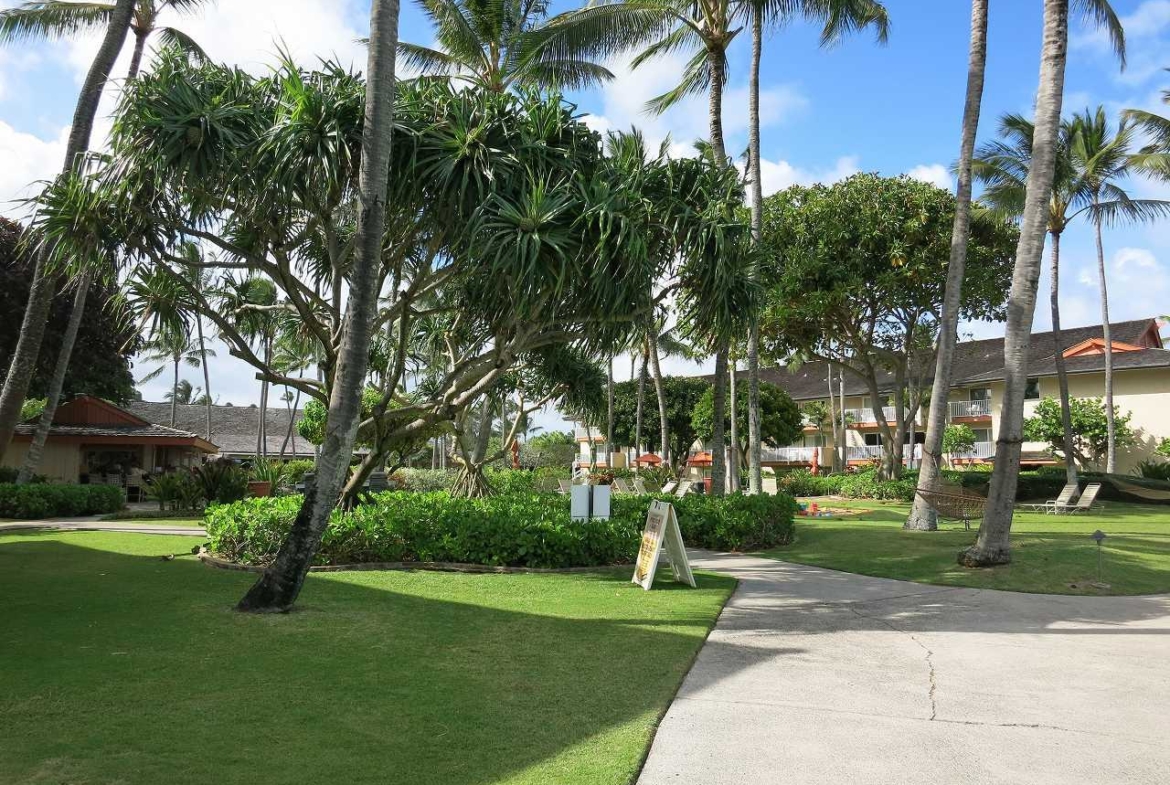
[{"x": 429, "y": 566}]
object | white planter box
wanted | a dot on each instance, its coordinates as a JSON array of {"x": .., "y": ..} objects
[
  {"x": 579, "y": 502},
  {"x": 589, "y": 501},
  {"x": 601, "y": 498}
]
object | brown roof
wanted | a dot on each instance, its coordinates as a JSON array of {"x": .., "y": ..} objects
[
  {"x": 233, "y": 428},
  {"x": 89, "y": 418},
  {"x": 982, "y": 361}
]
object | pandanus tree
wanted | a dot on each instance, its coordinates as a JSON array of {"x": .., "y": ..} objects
[
  {"x": 52, "y": 19},
  {"x": 32, "y": 331},
  {"x": 506, "y": 216},
  {"x": 993, "y": 546}
]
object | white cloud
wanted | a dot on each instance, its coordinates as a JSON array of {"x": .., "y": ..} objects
[
  {"x": 27, "y": 159},
  {"x": 936, "y": 174},
  {"x": 624, "y": 100},
  {"x": 778, "y": 175},
  {"x": 1146, "y": 31}
]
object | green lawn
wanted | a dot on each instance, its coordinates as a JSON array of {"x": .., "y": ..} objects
[
  {"x": 118, "y": 666},
  {"x": 1050, "y": 553}
]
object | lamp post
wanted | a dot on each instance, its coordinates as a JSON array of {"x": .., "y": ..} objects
[{"x": 1097, "y": 537}]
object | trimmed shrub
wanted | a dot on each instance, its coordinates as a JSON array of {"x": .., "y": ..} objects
[
  {"x": 425, "y": 480},
  {"x": 516, "y": 529},
  {"x": 41, "y": 500},
  {"x": 294, "y": 471}
]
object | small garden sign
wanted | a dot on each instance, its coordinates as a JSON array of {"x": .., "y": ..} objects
[{"x": 662, "y": 528}]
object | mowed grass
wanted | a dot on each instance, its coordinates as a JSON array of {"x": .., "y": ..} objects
[
  {"x": 1051, "y": 554},
  {"x": 118, "y": 666}
]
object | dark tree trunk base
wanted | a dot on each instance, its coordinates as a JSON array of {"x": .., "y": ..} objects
[
  {"x": 281, "y": 583},
  {"x": 975, "y": 556}
]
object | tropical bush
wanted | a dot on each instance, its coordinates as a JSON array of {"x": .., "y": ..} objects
[
  {"x": 8, "y": 474},
  {"x": 222, "y": 482},
  {"x": 175, "y": 491},
  {"x": 41, "y": 500},
  {"x": 1154, "y": 470},
  {"x": 520, "y": 529},
  {"x": 294, "y": 471},
  {"x": 425, "y": 480}
]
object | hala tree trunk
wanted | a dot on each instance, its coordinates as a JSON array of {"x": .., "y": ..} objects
[
  {"x": 1070, "y": 464},
  {"x": 733, "y": 463},
  {"x": 32, "y": 459},
  {"x": 922, "y": 516},
  {"x": 40, "y": 297},
  {"x": 660, "y": 394},
  {"x": 993, "y": 545},
  {"x": 140, "y": 37},
  {"x": 755, "y": 474},
  {"x": 718, "y": 426},
  {"x": 1110, "y": 415},
  {"x": 277, "y": 589}
]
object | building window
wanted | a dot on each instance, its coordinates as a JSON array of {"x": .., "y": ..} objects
[
  {"x": 1032, "y": 391},
  {"x": 982, "y": 434},
  {"x": 873, "y": 440},
  {"x": 980, "y": 394}
]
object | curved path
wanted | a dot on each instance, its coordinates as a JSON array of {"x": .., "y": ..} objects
[
  {"x": 95, "y": 524},
  {"x": 818, "y": 676}
]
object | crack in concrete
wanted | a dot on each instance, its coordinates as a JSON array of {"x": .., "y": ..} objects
[{"x": 930, "y": 693}]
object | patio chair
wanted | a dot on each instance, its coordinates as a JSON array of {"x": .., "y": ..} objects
[
  {"x": 621, "y": 486},
  {"x": 1084, "y": 504},
  {"x": 639, "y": 486},
  {"x": 669, "y": 487},
  {"x": 1067, "y": 494},
  {"x": 684, "y": 488},
  {"x": 565, "y": 487}
]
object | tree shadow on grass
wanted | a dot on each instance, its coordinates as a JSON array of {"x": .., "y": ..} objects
[{"x": 134, "y": 669}]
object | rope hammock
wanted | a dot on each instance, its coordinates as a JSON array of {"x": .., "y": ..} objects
[
  {"x": 1139, "y": 491},
  {"x": 954, "y": 502}
]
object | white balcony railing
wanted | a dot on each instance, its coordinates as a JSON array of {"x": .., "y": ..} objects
[
  {"x": 969, "y": 408},
  {"x": 982, "y": 450},
  {"x": 864, "y": 416},
  {"x": 585, "y": 434},
  {"x": 788, "y": 454}
]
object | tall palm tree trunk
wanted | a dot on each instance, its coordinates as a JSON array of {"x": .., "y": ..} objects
[
  {"x": 175, "y": 387},
  {"x": 993, "y": 544},
  {"x": 608, "y": 418},
  {"x": 715, "y": 58},
  {"x": 140, "y": 37},
  {"x": 733, "y": 408},
  {"x": 278, "y": 588},
  {"x": 755, "y": 473},
  {"x": 32, "y": 459},
  {"x": 1106, "y": 334},
  {"x": 1070, "y": 466},
  {"x": 640, "y": 407},
  {"x": 922, "y": 516},
  {"x": 206, "y": 372},
  {"x": 40, "y": 298},
  {"x": 660, "y": 394}
]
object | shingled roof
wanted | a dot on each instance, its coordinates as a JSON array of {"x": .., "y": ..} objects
[
  {"x": 233, "y": 428},
  {"x": 979, "y": 362}
]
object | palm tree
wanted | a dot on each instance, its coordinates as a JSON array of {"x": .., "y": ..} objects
[
  {"x": 176, "y": 348},
  {"x": 278, "y": 588},
  {"x": 993, "y": 545},
  {"x": 1103, "y": 157},
  {"x": 837, "y": 17},
  {"x": 922, "y": 515},
  {"x": 253, "y": 301},
  {"x": 32, "y": 330},
  {"x": 1089, "y": 161},
  {"x": 186, "y": 394},
  {"x": 52, "y": 19},
  {"x": 502, "y": 45}
]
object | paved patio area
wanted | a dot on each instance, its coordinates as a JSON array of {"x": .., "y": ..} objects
[
  {"x": 94, "y": 523},
  {"x": 817, "y": 676}
]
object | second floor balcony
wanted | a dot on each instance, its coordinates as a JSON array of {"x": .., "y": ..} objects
[{"x": 969, "y": 409}]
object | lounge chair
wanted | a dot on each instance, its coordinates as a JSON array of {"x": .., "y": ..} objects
[
  {"x": 1067, "y": 494},
  {"x": 1084, "y": 504},
  {"x": 639, "y": 486},
  {"x": 620, "y": 486},
  {"x": 669, "y": 487},
  {"x": 564, "y": 486},
  {"x": 684, "y": 488}
]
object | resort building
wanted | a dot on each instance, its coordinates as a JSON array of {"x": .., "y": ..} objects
[{"x": 1141, "y": 386}]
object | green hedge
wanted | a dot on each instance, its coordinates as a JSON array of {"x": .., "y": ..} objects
[
  {"x": 515, "y": 529},
  {"x": 40, "y": 500}
]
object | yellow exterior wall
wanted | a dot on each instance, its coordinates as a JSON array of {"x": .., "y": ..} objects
[{"x": 59, "y": 462}]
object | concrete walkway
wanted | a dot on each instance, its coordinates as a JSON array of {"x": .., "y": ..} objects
[
  {"x": 96, "y": 524},
  {"x": 817, "y": 676}
]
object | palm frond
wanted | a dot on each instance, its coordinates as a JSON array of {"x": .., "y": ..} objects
[
  {"x": 1100, "y": 13},
  {"x": 605, "y": 30},
  {"x": 425, "y": 60},
  {"x": 564, "y": 74},
  {"x": 172, "y": 37},
  {"x": 696, "y": 79},
  {"x": 52, "y": 19}
]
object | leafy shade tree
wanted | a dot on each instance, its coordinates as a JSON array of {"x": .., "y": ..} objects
[
  {"x": 993, "y": 546},
  {"x": 854, "y": 279},
  {"x": 958, "y": 440},
  {"x": 53, "y": 19},
  {"x": 32, "y": 331},
  {"x": 922, "y": 515},
  {"x": 1090, "y": 425},
  {"x": 101, "y": 362},
  {"x": 503, "y": 45},
  {"x": 781, "y": 421},
  {"x": 681, "y": 394}
]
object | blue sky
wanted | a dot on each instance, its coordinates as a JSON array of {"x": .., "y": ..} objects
[{"x": 828, "y": 113}]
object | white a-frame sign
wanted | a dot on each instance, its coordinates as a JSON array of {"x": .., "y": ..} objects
[{"x": 662, "y": 529}]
